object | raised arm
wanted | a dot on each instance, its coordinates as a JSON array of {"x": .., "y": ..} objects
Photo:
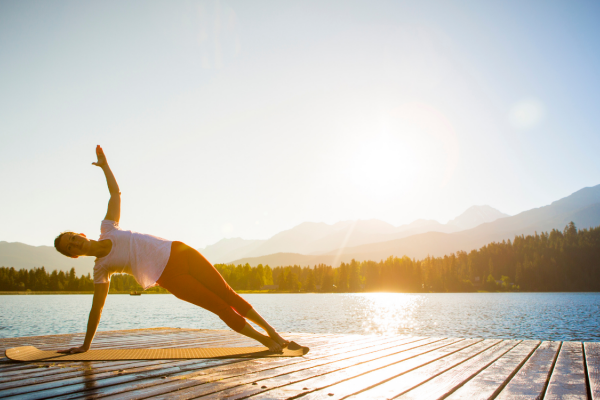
[
  {"x": 114, "y": 204},
  {"x": 100, "y": 293}
]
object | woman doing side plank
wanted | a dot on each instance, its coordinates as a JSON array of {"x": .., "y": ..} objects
[{"x": 153, "y": 261}]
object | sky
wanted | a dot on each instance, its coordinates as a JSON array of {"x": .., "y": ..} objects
[{"x": 242, "y": 119}]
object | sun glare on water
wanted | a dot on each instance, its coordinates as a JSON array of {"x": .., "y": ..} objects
[{"x": 388, "y": 313}]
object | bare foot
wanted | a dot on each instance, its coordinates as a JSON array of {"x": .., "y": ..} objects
[{"x": 278, "y": 339}]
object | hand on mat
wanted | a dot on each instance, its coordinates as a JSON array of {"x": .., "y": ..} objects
[
  {"x": 273, "y": 346},
  {"x": 74, "y": 350},
  {"x": 101, "y": 157}
]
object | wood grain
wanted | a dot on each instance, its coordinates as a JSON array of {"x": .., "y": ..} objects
[
  {"x": 402, "y": 384},
  {"x": 592, "y": 360},
  {"x": 444, "y": 384},
  {"x": 488, "y": 383},
  {"x": 531, "y": 380},
  {"x": 360, "y": 377},
  {"x": 568, "y": 378}
]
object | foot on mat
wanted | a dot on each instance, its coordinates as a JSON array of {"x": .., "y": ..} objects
[{"x": 296, "y": 346}]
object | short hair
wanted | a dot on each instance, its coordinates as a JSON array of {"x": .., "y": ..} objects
[{"x": 57, "y": 242}]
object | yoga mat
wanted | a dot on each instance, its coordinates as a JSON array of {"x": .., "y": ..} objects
[{"x": 31, "y": 353}]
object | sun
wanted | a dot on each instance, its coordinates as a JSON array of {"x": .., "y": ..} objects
[{"x": 416, "y": 146}]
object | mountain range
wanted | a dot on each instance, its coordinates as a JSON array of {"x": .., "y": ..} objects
[
  {"x": 314, "y": 238},
  {"x": 313, "y": 243},
  {"x": 581, "y": 207}
]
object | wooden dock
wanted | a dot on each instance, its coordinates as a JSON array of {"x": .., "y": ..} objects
[{"x": 337, "y": 367}]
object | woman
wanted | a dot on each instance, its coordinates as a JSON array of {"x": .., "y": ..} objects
[{"x": 151, "y": 260}]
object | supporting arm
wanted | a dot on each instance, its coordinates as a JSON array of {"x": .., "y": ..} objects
[{"x": 100, "y": 293}]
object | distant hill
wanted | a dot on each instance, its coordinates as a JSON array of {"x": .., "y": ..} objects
[
  {"x": 312, "y": 238},
  {"x": 20, "y": 255},
  {"x": 308, "y": 237},
  {"x": 230, "y": 248},
  {"x": 475, "y": 216},
  {"x": 582, "y": 207}
]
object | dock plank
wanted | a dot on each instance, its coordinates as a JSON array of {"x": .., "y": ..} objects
[
  {"x": 531, "y": 380},
  {"x": 344, "y": 383},
  {"x": 63, "y": 372},
  {"x": 405, "y": 382},
  {"x": 188, "y": 376},
  {"x": 332, "y": 368},
  {"x": 217, "y": 382},
  {"x": 568, "y": 377},
  {"x": 102, "y": 377},
  {"x": 60, "y": 367},
  {"x": 131, "y": 339},
  {"x": 211, "y": 340},
  {"x": 592, "y": 361},
  {"x": 54, "y": 342},
  {"x": 488, "y": 383},
  {"x": 447, "y": 382},
  {"x": 135, "y": 338}
]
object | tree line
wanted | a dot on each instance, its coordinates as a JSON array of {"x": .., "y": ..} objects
[
  {"x": 41, "y": 280},
  {"x": 567, "y": 260}
]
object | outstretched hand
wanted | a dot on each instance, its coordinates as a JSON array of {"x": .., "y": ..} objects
[
  {"x": 101, "y": 157},
  {"x": 74, "y": 350}
]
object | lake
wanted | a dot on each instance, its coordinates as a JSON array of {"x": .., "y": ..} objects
[{"x": 546, "y": 316}]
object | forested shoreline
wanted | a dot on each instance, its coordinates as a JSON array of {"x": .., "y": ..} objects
[{"x": 557, "y": 261}]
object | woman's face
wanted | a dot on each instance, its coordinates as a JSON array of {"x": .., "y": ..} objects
[{"x": 75, "y": 244}]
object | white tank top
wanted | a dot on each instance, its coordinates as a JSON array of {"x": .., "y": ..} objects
[{"x": 137, "y": 254}]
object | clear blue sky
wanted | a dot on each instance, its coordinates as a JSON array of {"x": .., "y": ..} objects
[{"x": 242, "y": 119}]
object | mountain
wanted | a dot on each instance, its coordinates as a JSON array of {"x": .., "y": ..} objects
[
  {"x": 475, "y": 216},
  {"x": 20, "y": 255},
  {"x": 229, "y": 248},
  {"x": 291, "y": 240},
  {"x": 313, "y": 238},
  {"x": 308, "y": 237},
  {"x": 581, "y": 207},
  {"x": 299, "y": 238},
  {"x": 371, "y": 231}
]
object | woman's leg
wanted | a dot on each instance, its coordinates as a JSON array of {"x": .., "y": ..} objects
[
  {"x": 205, "y": 272},
  {"x": 177, "y": 279},
  {"x": 249, "y": 331},
  {"x": 255, "y": 317},
  {"x": 187, "y": 288}
]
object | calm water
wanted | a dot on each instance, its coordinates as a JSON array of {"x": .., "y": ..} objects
[{"x": 548, "y": 316}]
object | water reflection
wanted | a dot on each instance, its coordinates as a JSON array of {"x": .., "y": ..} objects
[
  {"x": 548, "y": 316},
  {"x": 387, "y": 313}
]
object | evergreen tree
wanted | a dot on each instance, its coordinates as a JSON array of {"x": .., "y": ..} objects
[{"x": 309, "y": 286}]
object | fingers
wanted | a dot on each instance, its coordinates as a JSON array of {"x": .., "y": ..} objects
[
  {"x": 74, "y": 350},
  {"x": 99, "y": 151}
]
